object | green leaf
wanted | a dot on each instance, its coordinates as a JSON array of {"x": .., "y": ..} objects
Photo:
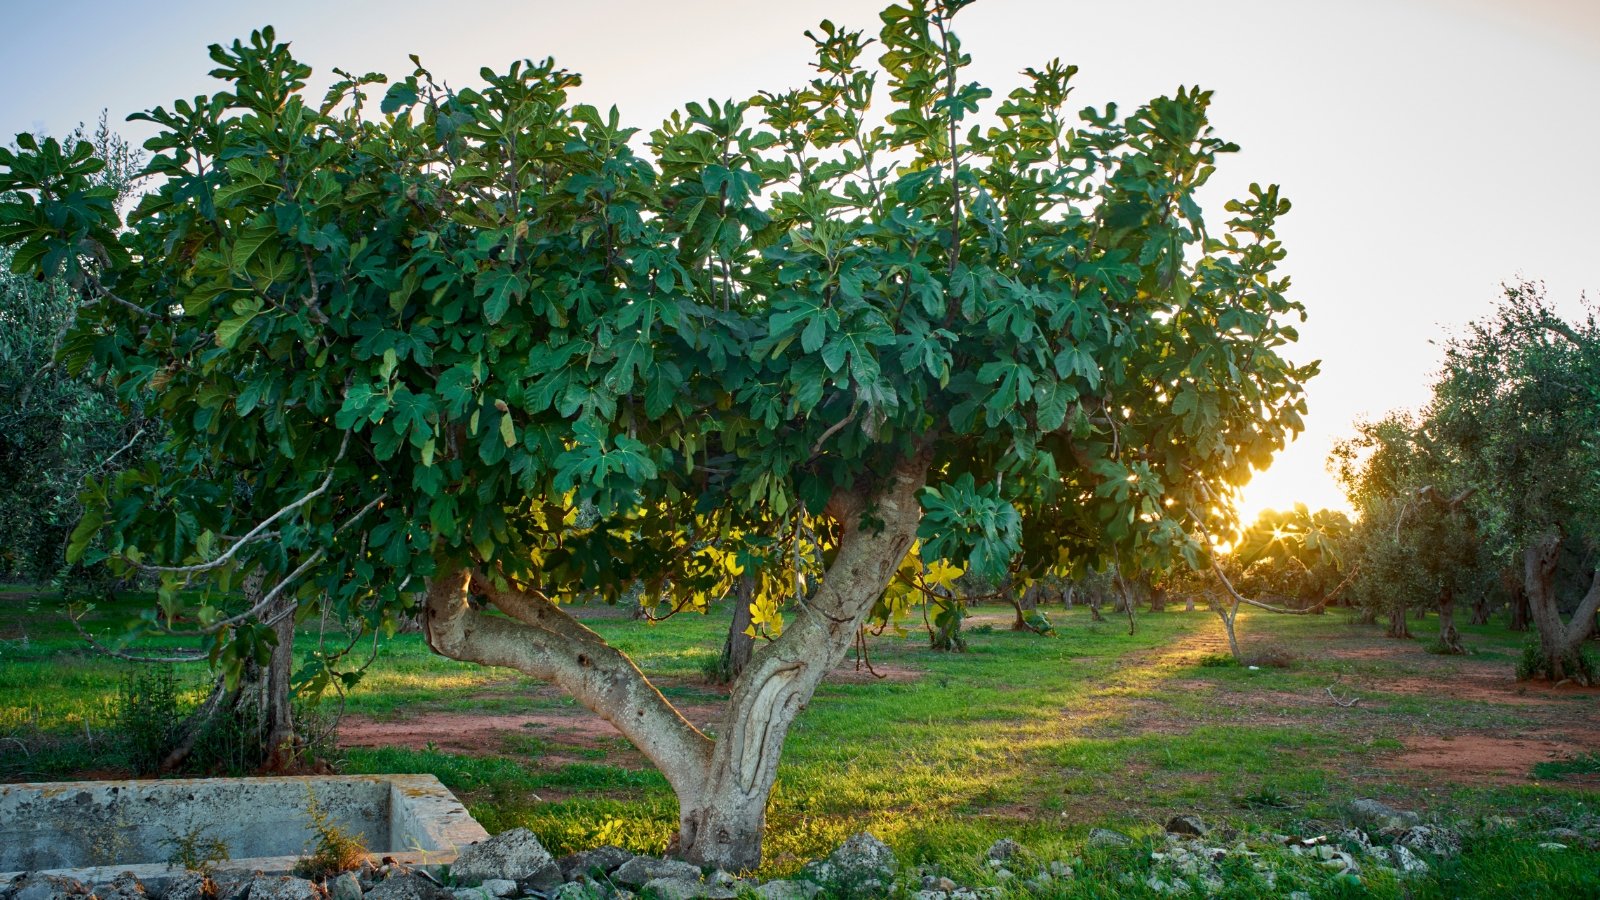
[{"x": 228, "y": 330}]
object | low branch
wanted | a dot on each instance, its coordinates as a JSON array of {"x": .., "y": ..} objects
[
  {"x": 188, "y": 657},
  {"x": 598, "y": 676}
]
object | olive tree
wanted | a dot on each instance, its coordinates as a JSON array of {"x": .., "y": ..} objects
[
  {"x": 477, "y": 341},
  {"x": 1519, "y": 401},
  {"x": 1417, "y": 543}
]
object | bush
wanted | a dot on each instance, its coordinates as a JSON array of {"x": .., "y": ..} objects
[
  {"x": 1270, "y": 656},
  {"x": 1580, "y": 664},
  {"x": 148, "y": 717}
]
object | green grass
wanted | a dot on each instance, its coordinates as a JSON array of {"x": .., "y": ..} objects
[{"x": 1023, "y": 736}]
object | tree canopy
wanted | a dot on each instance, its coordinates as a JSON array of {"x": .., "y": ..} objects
[{"x": 493, "y": 332}]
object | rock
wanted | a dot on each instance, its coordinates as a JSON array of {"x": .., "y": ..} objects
[
  {"x": 49, "y": 887},
  {"x": 1572, "y": 838},
  {"x": 604, "y": 860},
  {"x": 1105, "y": 837},
  {"x": 1059, "y": 869},
  {"x": 514, "y": 855},
  {"x": 682, "y": 888},
  {"x": 345, "y": 887},
  {"x": 500, "y": 887},
  {"x": 575, "y": 890},
  {"x": 1552, "y": 845},
  {"x": 641, "y": 869},
  {"x": 125, "y": 886},
  {"x": 1004, "y": 850},
  {"x": 863, "y": 866},
  {"x": 1378, "y": 816},
  {"x": 943, "y": 884},
  {"x": 282, "y": 887},
  {"x": 1430, "y": 839},
  {"x": 787, "y": 890},
  {"x": 407, "y": 887},
  {"x": 1406, "y": 862},
  {"x": 1299, "y": 895},
  {"x": 187, "y": 886},
  {"x": 1187, "y": 824}
]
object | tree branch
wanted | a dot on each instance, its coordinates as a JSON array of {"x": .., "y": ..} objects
[{"x": 598, "y": 676}]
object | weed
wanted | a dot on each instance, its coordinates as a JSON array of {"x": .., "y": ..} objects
[
  {"x": 148, "y": 716},
  {"x": 195, "y": 851},
  {"x": 333, "y": 850},
  {"x": 1218, "y": 661}
]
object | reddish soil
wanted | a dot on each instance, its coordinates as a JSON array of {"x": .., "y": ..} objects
[
  {"x": 1470, "y": 758},
  {"x": 569, "y": 727},
  {"x": 478, "y": 733}
]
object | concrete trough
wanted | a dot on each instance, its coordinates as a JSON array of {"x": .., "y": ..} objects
[{"x": 93, "y": 830}]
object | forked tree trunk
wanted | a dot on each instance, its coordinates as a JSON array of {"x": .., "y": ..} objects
[
  {"x": 1449, "y": 637},
  {"x": 1560, "y": 642},
  {"x": 722, "y": 786}
]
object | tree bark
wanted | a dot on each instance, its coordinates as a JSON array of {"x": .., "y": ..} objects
[
  {"x": 1560, "y": 642},
  {"x": 1517, "y": 591},
  {"x": 1397, "y": 622},
  {"x": 722, "y": 786},
  {"x": 737, "y": 648},
  {"x": 261, "y": 703},
  {"x": 1480, "y": 609}
]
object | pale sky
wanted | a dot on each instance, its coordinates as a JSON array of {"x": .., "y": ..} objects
[{"x": 1432, "y": 148}]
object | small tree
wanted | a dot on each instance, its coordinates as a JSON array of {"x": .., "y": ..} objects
[
  {"x": 795, "y": 340},
  {"x": 1264, "y": 552},
  {"x": 1417, "y": 544}
]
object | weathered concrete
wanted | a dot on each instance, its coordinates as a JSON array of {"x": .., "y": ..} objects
[{"x": 93, "y": 830}]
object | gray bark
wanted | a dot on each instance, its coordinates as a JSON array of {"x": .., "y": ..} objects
[
  {"x": 1560, "y": 641},
  {"x": 722, "y": 786},
  {"x": 261, "y": 701}
]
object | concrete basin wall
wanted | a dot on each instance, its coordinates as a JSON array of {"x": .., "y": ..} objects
[{"x": 122, "y": 825}]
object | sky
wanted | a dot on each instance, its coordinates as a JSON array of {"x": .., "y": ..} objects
[{"x": 1433, "y": 149}]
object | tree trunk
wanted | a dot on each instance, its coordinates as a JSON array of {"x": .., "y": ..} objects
[
  {"x": 722, "y": 786},
  {"x": 737, "y": 648},
  {"x": 1480, "y": 609},
  {"x": 1517, "y": 590},
  {"x": 1560, "y": 642},
  {"x": 1449, "y": 637},
  {"x": 1397, "y": 622},
  {"x": 260, "y": 705},
  {"x": 1188, "y": 603},
  {"x": 1228, "y": 618},
  {"x": 1158, "y": 599}
]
